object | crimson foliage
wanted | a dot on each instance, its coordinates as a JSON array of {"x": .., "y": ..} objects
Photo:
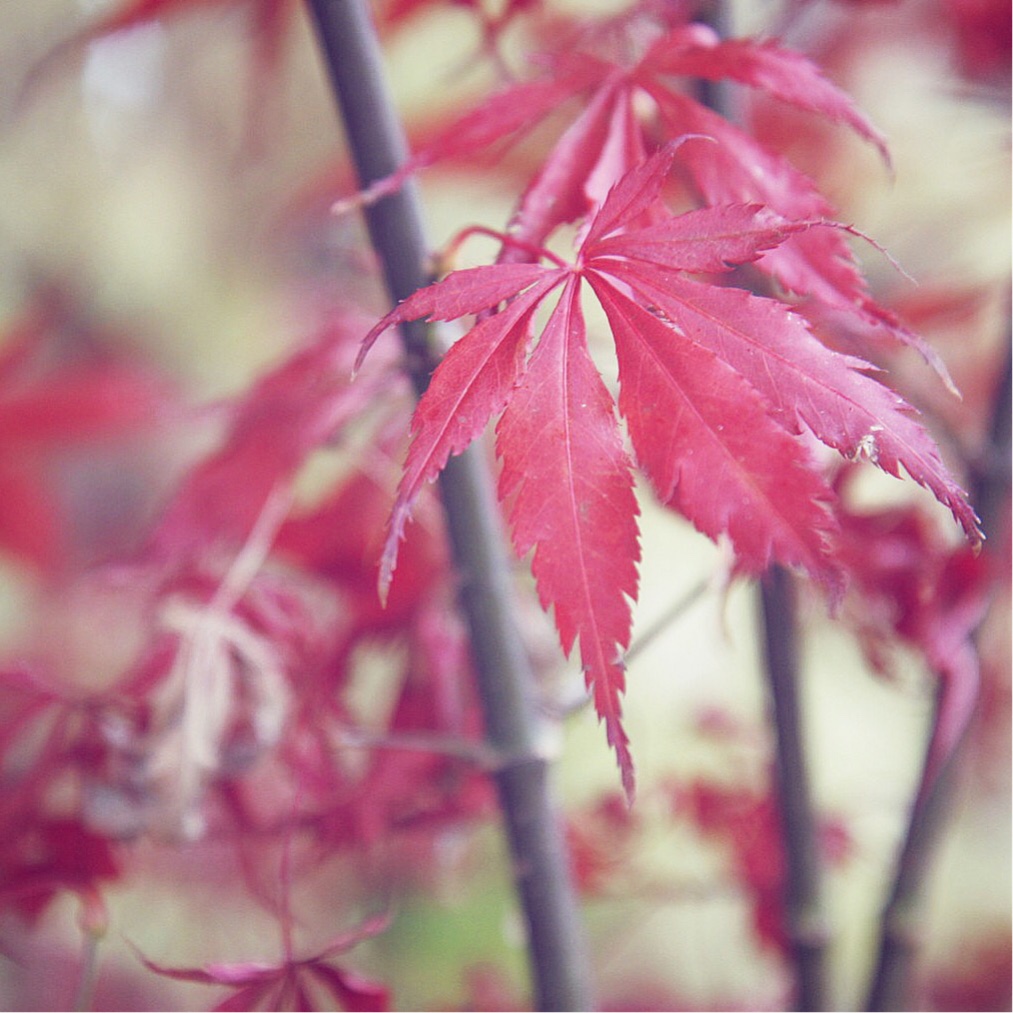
[{"x": 743, "y": 331}]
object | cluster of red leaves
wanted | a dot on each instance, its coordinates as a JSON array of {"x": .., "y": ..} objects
[
  {"x": 744, "y": 822},
  {"x": 293, "y": 983},
  {"x": 61, "y": 394},
  {"x": 254, "y": 612},
  {"x": 251, "y": 617},
  {"x": 719, "y": 387}
]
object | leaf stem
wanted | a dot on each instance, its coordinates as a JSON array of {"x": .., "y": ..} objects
[
  {"x": 536, "y": 252},
  {"x": 557, "y": 951}
]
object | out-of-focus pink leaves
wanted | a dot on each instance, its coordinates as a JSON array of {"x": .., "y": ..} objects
[
  {"x": 293, "y": 410},
  {"x": 44, "y": 848},
  {"x": 696, "y": 51},
  {"x": 509, "y": 114},
  {"x": 601, "y": 841},
  {"x": 268, "y": 23},
  {"x": 46, "y": 855},
  {"x": 286, "y": 985},
  {"x": 61, "y": 397},
  {"x": 982, "y": 30},
  {"x": 911, "y": 585},
  {"x": 492, "y": 19},
  {"x": 749, "y": 824}
]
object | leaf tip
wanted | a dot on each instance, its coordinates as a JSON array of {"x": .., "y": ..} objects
[{"x": 629, "y": 780}]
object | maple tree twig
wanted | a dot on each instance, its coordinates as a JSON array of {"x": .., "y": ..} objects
[
  {"x": 556, "y": 947},
  {"x": 805, "y": 923},
  {"x": 804, "y": 917},
  {"x": 899, "y": 920},
  {"x": 899, "y": 932}
]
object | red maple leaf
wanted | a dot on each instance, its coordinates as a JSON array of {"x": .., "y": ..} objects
[
  {"x": 716, "y": 386},
  {"x": 287, "y": 984},
  {"x": 612, "y": 135}
]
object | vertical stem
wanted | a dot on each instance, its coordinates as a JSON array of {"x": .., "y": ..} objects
[
  {"x": 899, "y": 921},
  {"x": 557, "y": 952},
  {"x": 803, "y": 909},
  {"x": 899, "y": 928},
  {"x": 805, "y": 922}
]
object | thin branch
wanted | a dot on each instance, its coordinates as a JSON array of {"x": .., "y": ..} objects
[
  {"x": 805, "y": 920},
  {"x": 900, "y": 919},
  {"x": 805, "y": 923},
  {"x": 557, "y": 951},
  {"x": 667, "y": 619}
]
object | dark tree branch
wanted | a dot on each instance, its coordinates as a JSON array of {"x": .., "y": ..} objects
[
  {"x": 805, "y": 924},
  {"x": 557, "y": 951},
  {"x": 899, "y": 929},
  {"x": 805, "y": 921}
]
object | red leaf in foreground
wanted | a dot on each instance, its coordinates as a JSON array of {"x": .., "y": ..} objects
[
  {"x": 716, "y": 384},
  {"x": 473, "y": 383},
  {"x": 806, "y": 383},
  {"x": 817, "y": 262}
]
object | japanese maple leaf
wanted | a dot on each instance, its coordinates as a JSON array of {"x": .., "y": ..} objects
[
  {"x": 716, "y": 384},
  {"x": 287, "y": 984},
  {"x": 609, "y": 137}
]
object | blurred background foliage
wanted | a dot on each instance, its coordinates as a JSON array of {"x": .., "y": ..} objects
[{"x": 166, "y": 197}]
